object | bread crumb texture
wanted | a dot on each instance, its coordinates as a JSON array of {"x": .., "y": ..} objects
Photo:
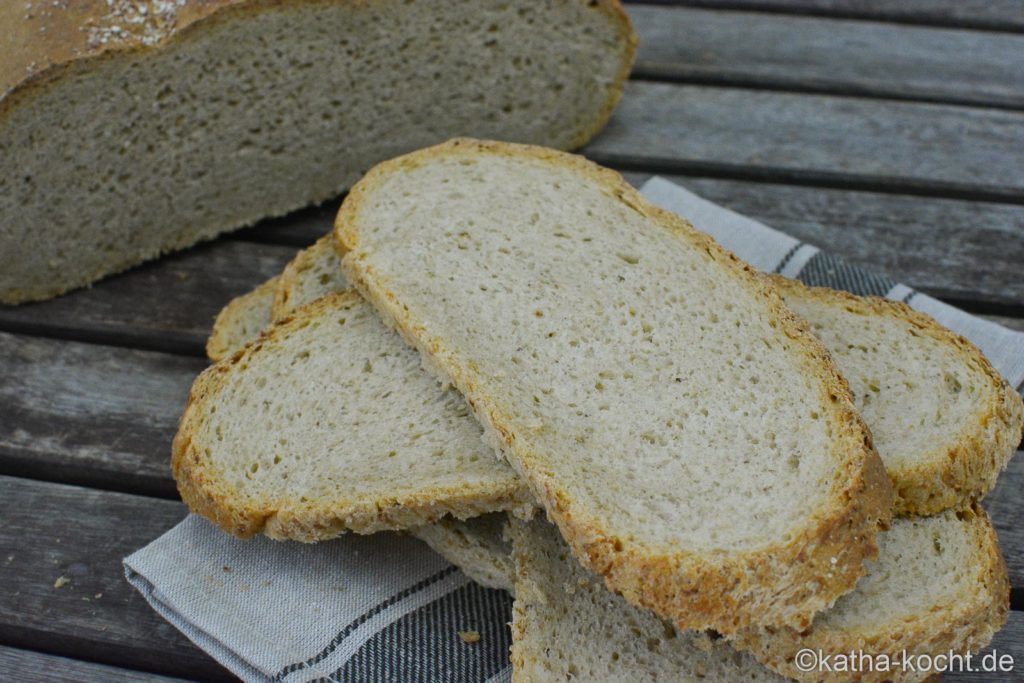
[
  {"x": 129, "y": 129},
  {"x": 327, "y": 424},
  {"x": 610, "y": 350}
]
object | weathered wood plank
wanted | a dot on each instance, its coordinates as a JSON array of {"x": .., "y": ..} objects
[
  {"x": 997, "y": 15},
  {"x": 91, "y": 415},
  {"x": 26, "y": 666},
  {"x": 809, "y": 54},
  {"x": 51, "y": 531},
  {"x": 167, "y": 304},
  {"x": 815, "y": 139}
]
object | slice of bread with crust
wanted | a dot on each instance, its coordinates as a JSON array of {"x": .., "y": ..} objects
[
  {"x": 130, "y": 129},
  {"x": 477, "y": 546},
  {"x": 313, "y": 273},
  {"x": 567, "y": 627},
  {"x": 943, "y": 420},
  {"x": 241, "y": 321},
  {"x": 328, "y": 424},
  {"x": 609, "y": 349},
  {"x": 939, "y": 586}
]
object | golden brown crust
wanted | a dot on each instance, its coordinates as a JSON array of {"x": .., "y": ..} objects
[
  {"x": 223, "y": 339},
  {"x": 967, "y": 468},
  {"x": 964, "y": 624},
  {"x": 206, "y": 492},
  {"x": 786, "y": 583},
  {"x": 288, "y": 282}
]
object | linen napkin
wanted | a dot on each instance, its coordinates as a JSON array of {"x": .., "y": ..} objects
[{"x": 385, "y": 607}]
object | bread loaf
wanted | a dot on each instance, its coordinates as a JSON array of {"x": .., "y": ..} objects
[
  {"x": 690, "y": 437},
  {"x": 129, "y": 129}
]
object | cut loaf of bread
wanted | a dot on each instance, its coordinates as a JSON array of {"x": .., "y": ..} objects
[
  {"x": 129, "y": 129},
  {"x": 942, "y": 419},
  {"x": 328, "y": 424},
  {"x": 640, "y": 378},
  {"x": 944, "y": 422},
  {"x": 567, "y": 627},
  {"x": 477, "y": 546},
  {"x": 939, "y": 586}
]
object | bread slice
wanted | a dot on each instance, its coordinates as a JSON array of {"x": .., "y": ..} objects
[
  {"x": 567, "y": 627},
  {"x": 939, "y": 586},
  {"x": 944, "y": 421},
  {"x": 328, "y": 424},
  {"x": 477, "y": 546},
  {"x": 130, "y": 129},
  {"x": 241, "y": 321},
  {"x": 690, "y": 437},
  {"x": 313, "y": 273}
]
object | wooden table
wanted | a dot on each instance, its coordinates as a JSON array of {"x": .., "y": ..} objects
[{"x": 891, "y": 133}]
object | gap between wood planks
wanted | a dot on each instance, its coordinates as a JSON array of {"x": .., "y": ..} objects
[
  {"x": 1002, "y": 16},
  {"x": 828, "y": 56}
]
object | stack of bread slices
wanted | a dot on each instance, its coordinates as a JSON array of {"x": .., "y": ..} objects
[{"x": 681, "y": 468}]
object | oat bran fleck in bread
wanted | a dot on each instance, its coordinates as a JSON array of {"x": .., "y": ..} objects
[
  {"x": 607, "y": 348},
  {"x": 130, "y": 129},
  {"x": 291, "y": 438}
]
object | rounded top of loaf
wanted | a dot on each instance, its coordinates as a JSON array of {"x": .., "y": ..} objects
[
  {"x": 39, "y": 39},
  {"x": 40, "y": 35}
]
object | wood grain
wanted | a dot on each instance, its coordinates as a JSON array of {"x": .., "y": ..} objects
[
  {"x": 51, "y": 531},
  {"x": 91, "y": 415},
  {"x": 26, "y": 666},
  {"x": 169, "y": 304},
  {"x": 809, "y": 54},
  {"x": 847, "y": 142},
  {"x": 995, "y": 15}
]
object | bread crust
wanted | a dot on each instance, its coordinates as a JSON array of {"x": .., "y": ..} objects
[
  {"x": 785, "y": 583},
  {"x": 967, "y": 468},
  {"x": 967, "y": 623},
  {"x": 222, "y": 339},
  {"x": 288, "y": 282},
  {"x": 206, "y": 492},
  {"x": 47, "y": 42}
]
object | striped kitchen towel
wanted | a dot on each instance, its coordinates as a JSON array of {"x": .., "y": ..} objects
[{"x": 385, "y": 607}]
